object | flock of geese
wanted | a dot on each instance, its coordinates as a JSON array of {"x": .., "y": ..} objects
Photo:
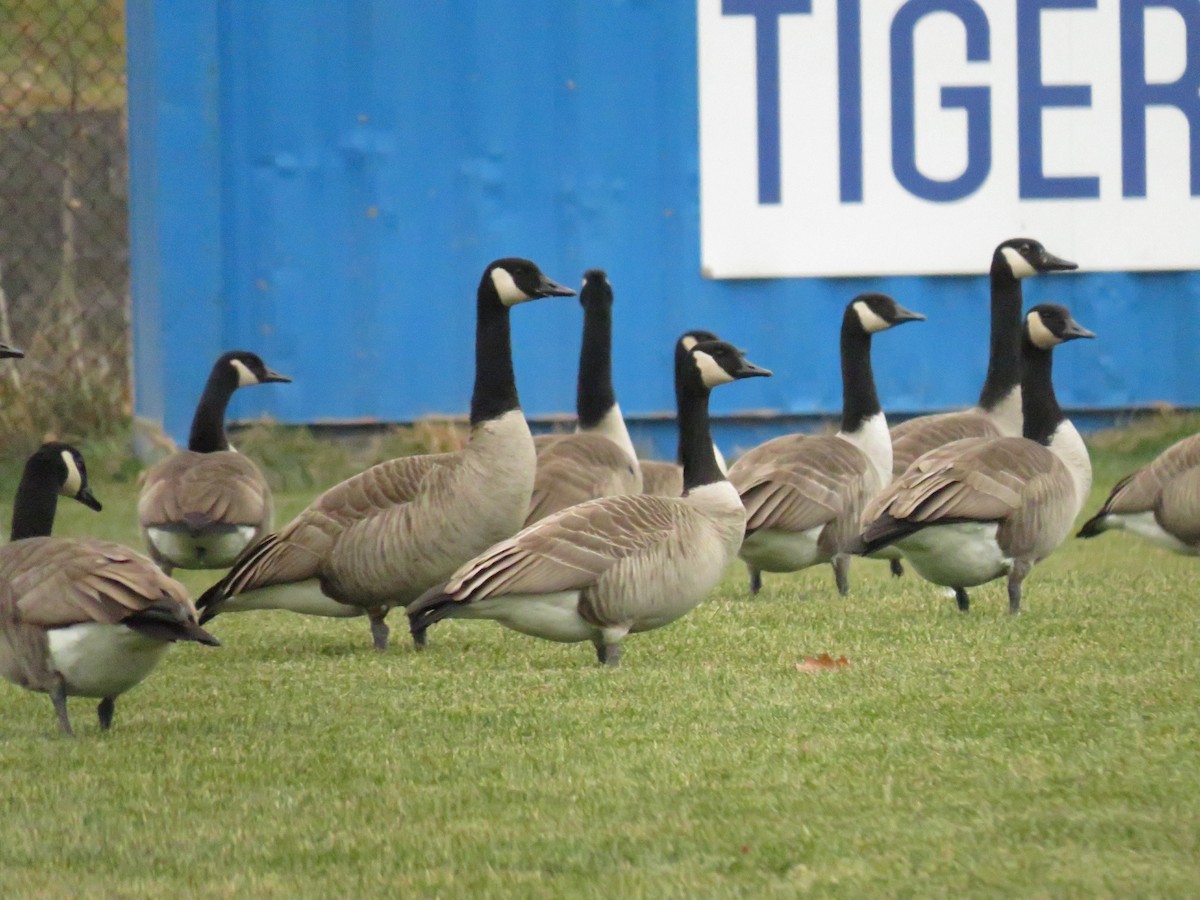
[{"x": 571, "y": 537}]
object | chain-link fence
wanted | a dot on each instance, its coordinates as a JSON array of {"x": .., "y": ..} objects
[{"x": 64, "y": 247}]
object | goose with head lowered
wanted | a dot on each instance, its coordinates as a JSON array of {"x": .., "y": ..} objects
[
  {"x": 381, "y": 538},
  {"x": 981, "y": 508},
  {"x": 80, "y": 617},
  {"x": 200, "y": 508},
  {"x": 666, "y": 478},
  {"x": 598, "y": 460},
  {"x": 1159, "y": 502},
  {"x": 998, "y": 413},
  {"x": 618, "y": 565},
  {"x": 805, "y": 494}
]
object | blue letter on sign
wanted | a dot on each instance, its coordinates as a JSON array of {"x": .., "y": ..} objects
[
  {"x": 766, "y": 35},
  {"x": 974, "y": 100},
  {"x": 1033, "y": 96},
  {"x": 1136, "y": 94}
]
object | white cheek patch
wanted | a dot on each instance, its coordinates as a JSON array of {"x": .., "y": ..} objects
[
  {"x": 870, "y": 320},
  {"x": 506, "y": 288},
  {"x": 688, "y": 342},
  {"x": 711, "y": 372},
  {"x": 1041, "y": 336},
  {"x": 74, "y": 477},
  {"x": 1018, "y": 264},
  {"x": 245, "y": 376}
]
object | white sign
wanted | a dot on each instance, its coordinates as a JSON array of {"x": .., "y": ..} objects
[{"x": 889, "y": 137}]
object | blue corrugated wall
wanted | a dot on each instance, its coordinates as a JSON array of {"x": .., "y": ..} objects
[{"x": 323, "y": 183}]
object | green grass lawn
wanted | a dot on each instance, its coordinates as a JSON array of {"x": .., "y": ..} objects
[{"x": 1057, "y": 753}]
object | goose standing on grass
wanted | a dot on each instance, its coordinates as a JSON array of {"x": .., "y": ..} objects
[
  {"x": 665, "y": 479},
  {"x": 1160, "y": 501},
  {"x": 980, "y": 508},
  {"x": 998, "y": 413},
  {"x": 379, "y": 539},
  {"x": 80, "y": 617},
  {"x": 200, "y": 508},
  {"x": 598, "y": 460},
  {"x": 618, "y": 565},
  {"x": 805, "y": 494}
]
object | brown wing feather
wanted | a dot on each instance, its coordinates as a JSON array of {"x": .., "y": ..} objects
[
  {"x": 224, "y": 486},
  {"x": 664, "y": 479},
  {"x": 917, "y": 437},
  {"x": 972, "y": 479},
  {"x": 1140, "y": 490},
  {"x": 569, "y": 550},
  {"x": 296, "y": 551},
  {"x": 797, "y": 482},
  {"x": 575, "y": 468},
  {"x": 57, "y": 582},
  {"x": 1178, "y": 509}
]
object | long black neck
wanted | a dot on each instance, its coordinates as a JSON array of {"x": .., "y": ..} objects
[
  {"x": 35, "y": 503},
  {"x": 495, "y": 391},
  {"x": 1039, "y": 406},
  {"x": 1004, "y": 353},
  {"x": 594, "y": 395},
  {"x": 859, "y": 400},
  {"x": 695, "y": 440},
  {"x": 208, "y": 424}
]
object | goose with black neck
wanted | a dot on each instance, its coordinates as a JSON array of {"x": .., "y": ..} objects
[
  {"x": 200, "y": 508},
  {"x": 379, "y": 539},
  {"x": 998, "y": 411},
  {"x": 614, "y": 566},
  {"x": 805, "y": 494},
  {"x": 982, "y": 508},
  {"x": 598, "y": 460},
  {"x": 79, "y": 616}
]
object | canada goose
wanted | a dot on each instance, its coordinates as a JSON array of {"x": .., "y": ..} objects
[
  {"x": 609, "y": 567},
  {"x": 80, "y": 617},
  {"x": 998, "y": 413},
  {"x": 598, "y": 460},
  {"x": 379, "y": 539},
  {"x": 665, "y": 479},
  {"x": 200, "y": 508},
  {"x": 979, "y": 508},
  {"x": 805, "y": 494},
  {"x": 1160, "y": 501}
]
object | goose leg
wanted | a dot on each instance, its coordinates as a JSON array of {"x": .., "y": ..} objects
[
  {"x": 58, "y": 695},
  {"x": 897, "y": 568},
  {"x": 105, "y": 712},
  {"x": 755, "y": 580},
  {"x": 379, "y": 628},
  {"x": 608, "y": 646},
  {"x": 418, "y": 636},
  {"x": 1015, "y": 577},
  {"x": 841, "y": 573},
  {"x": 964, "y": 602}
]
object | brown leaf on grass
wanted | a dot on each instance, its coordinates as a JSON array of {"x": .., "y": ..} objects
[{"x": 822, "y": 663}]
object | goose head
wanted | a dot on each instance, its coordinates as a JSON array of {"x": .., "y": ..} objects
[
  {"x": 1049, "y": 324},
  {"x": 596, "y": 292},
  {"x": 9, "y": 352},
  {"x": 242, "y": 368},
  {"x": 514, "y": 280},
  {"x": 62, "y": 465},
  {"x": 719, "y": 362},
  {"x": 1022, "y": 257},
  {"x": 879, "y": 312}
]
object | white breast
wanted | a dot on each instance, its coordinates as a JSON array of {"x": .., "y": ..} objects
[
  {"x": 97, "y": 660},
  {"x": 1068, "y": 446},
  {"x": 960, "y": 555}
]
